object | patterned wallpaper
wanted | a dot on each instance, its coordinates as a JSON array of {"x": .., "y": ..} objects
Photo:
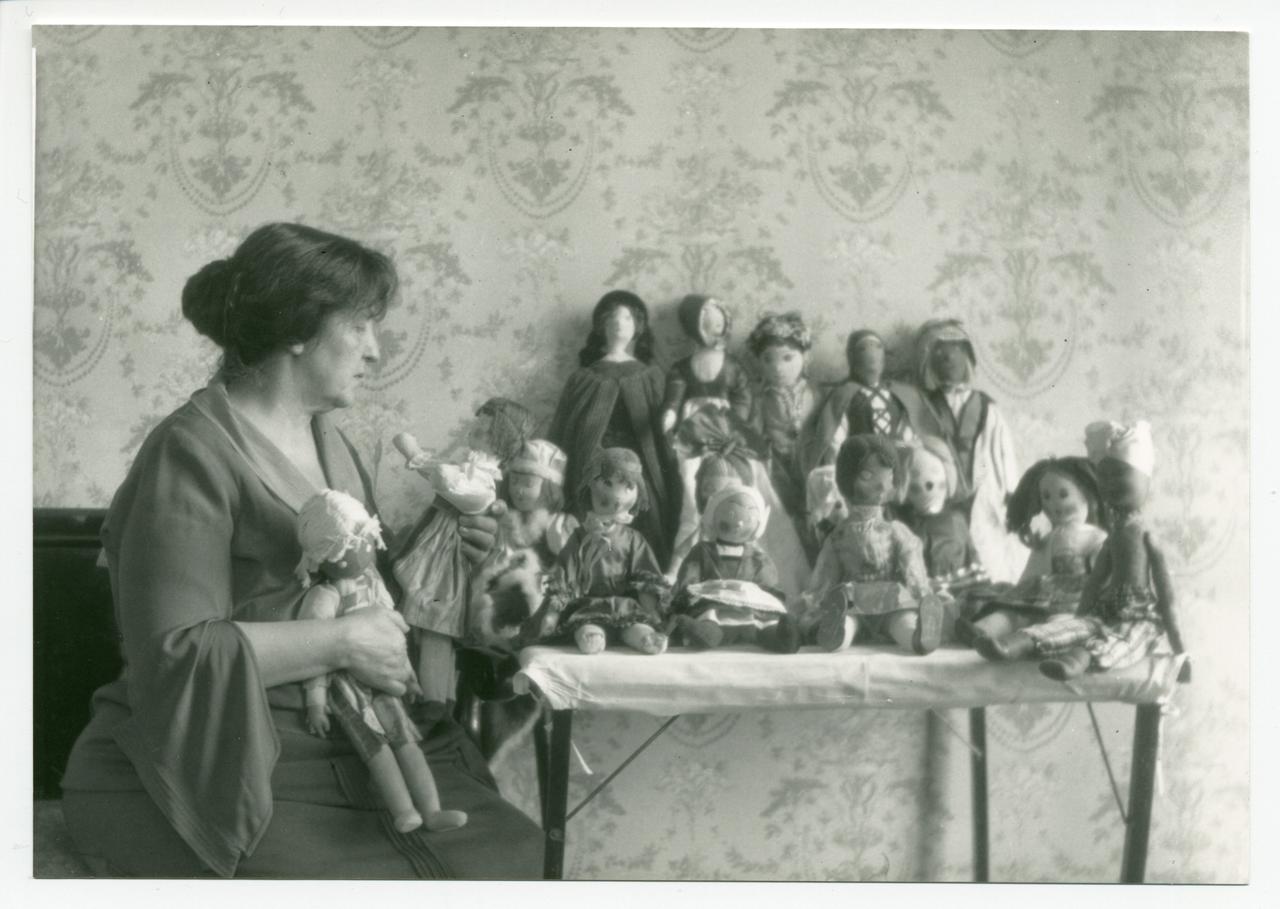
[{"x": 1079, "y": 199}]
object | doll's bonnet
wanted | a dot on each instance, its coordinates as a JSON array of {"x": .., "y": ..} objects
[
  {"x": 729, "y": 493},
  {"x": 1129, "y": 444},
  {"x": 330, "y": 523}
]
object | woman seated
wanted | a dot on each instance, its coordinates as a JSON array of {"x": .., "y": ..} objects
[{"x": 198, "y": 759}]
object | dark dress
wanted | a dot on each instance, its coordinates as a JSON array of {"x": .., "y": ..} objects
[{"x": 190, "y": 766}]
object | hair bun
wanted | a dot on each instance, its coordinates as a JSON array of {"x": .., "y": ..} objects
[{"x": 205, "y": 299}]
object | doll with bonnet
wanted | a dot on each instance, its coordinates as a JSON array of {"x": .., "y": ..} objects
[
  {"x": 432, "y": 569},
  {"x": 727, "y": 586},
  {"x": 709, "y": 377},
  {"x": 339, "y": 541},
  {"x": 1127, "y": 603}
]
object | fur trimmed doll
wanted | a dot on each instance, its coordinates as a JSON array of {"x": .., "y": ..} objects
[
  {"x": 870, "y": 579},
  {"x": 1063, "y": 491},
  {"x": 339, "y": 541},
  {"x": 1127, "y": 603},
  {"x": 727, "y": 586},
  {"x": 606, "y": 587}
]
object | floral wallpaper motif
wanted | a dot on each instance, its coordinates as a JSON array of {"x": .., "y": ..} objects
[{"x": 1079, "y": 199}]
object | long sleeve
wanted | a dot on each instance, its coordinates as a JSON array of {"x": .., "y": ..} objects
[{"x": 739, "y": 389}]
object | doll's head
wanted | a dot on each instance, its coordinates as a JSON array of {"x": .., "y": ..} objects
[
  {"x": 705, "y": 320},
  {"x": 1064, "y": 490},
  {"x": 944, "y": 355},
  {"x": 736, "y": 514},
  {"x": 865, "y": 354},
  {"x": 338, "y": 537},
  {"x": 716, "y": 472},
  {"x": 535, "y": 477},
  {"x": 866, "y": 468},
  {"x": 620, "y": 318},
  {"x": 612, "y": 486},
  {"x": 824, "y": 505},
  {"x": 780, "y": 343},
  {"x": 501, "y": 428},
  {"x": 933, "y": 479},
  {"x": 1125, "y": 457}
]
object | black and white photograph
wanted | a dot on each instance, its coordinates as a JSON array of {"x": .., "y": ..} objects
[{"x": 774, "y": 451}]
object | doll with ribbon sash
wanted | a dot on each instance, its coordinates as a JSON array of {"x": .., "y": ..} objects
[
  {"x": 1127, "y": 604},
  {"x": 339, "y": 541}
]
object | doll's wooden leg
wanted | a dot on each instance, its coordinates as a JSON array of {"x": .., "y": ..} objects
[
  {"x": 434, "y": 664},
  {"x": 422, "y": 789},
  {"x": 644, "y": 638},
  {"x": 390, "y": 783},
  {"x": 1067, "y": 665},
  {"x": 589, "y": 638}
]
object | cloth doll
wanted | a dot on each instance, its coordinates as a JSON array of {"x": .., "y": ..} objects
[
  {"x": 780, "y": 344},
  {"x": 432, "y": 569},
  {"x": 709, "y": 377},
  {"x": 614, "y": 400},
  {"x": 1127, "y": 603},
  {"x": 870, "y": 578},
  {"x": 606, "y": 587},
  {"x": 950, "y": 407},
  {"x": 1063, "y": 491},
  {"x": 339, "y": 540},
  {"x": 507, "y": 589},
  {"x": 727, "y": 584},
  {"x": 825, "y": 507}
]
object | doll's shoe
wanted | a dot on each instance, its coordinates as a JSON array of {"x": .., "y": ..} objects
[
  {"x": 783, "y": 637},
  {"x": 589, "y": 638},
  {"x": 835, "y": 627},
  {"x": 446, "y": 820},
  {"x": 1067, "y": 665},
  {"x": 929, "y": 620},
  {"x": 699, "y": 634},
  {"x": 654, "y": 644},
  {"x": 407, "y": 821}
]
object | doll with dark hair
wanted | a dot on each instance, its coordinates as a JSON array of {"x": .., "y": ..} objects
[
  {"x": 1127, "y": 603},
  {"x": 709, "y": 377},
  {"x": 1063, "y": 491},
  {"x": 606, "y": 586},
  {"x": 870, "y": 579},
  {"x": 614, "y": 400}
]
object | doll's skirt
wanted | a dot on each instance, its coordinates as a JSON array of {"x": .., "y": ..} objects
[
  {"x": 370, "y": 719},
  {"x": 435, "y": 576},
  {"x": 615, "y": 614}
]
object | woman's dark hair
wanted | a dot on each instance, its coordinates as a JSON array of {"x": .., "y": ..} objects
[
  {"x": 1024, "y": 504},
  {"x": 595, "y": 346},
  {"x": 279, "y": 286},
  {"x": 856, "y": 452}
]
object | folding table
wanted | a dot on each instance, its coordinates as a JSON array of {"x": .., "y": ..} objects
[{"x": 739, "y": 679}]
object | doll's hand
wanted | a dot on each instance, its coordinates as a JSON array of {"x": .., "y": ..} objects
[
  {"x": 668, "y": 420},
  {"x": 479, "y": 532},
  {"x": 318, "y": 720},
  {"x": 374, "y": 649}
]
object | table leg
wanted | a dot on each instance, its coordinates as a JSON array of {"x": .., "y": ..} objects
[
  {"x": 556, "y": 803},
  {"x": 1142, "y": 778},
  {"x": 978, "y": 768},
  {"x": 540, "y": 764}
]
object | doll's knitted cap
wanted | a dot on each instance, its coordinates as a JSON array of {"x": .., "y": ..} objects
[
  {"x": 787, "y": 328},
  {"x": 541, "y": 459},
  {"x": 930, "y": 334},
  {"x": 1130, "y": 444},
  {"x": 330, "y": 523},
  {"x": 729, "y": 493},
  {"x": 690, "y": 310}
]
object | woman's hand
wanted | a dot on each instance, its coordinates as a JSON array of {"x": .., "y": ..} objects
[
  {"x": 479, "y": 532},
  {"x": 374, "y": 649}
]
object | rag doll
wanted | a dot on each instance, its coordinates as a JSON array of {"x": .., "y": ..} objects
[
  {"x": 1127, "y": 603},
  {"x": 780, "y": 345},
  {"x": 825, "y": 507},
  {"x": 930, "y": 510},
  {"x": 507, "y": 588},
  {"x": 339, "y": 541},
  {"x": 606, "y": 586},
  {"x": 432, "y": 569},
  {"x": 715, "y": 469},
  {"x": 709, "y": 377},
  {"x": 614, "y": 400},
  {"x": 1063, "y": 491},
  {"x": 727, "y": 584},
  {"x": 870, "y": 578},
  {"x": 951, "y": 408}
]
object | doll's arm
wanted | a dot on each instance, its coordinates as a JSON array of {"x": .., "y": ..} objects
[
  {"x": 690, "y": 572},
  {"x": 673, "y": 398},
  {"x": 1097, "y": 578},
  {"x": 739, "y": 391},
  {"x": 767, "y": 574},
  {"x": 320, "y": 602},
  {"x": 1165, "y": 600}
]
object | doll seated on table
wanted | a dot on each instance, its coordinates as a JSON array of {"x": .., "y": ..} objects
[
  {"x": 727, "y": 590},
  {"x": 1127, "y": 603},
  {"x": 606, "y": 586},
  {"x": 339, "y": 541},
  {"x": 870, "y": 579},
  {"x": 825, "y": 507},
  {"x": 1063, "y": 491}
]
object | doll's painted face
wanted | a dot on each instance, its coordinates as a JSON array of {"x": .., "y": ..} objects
[
  {"x": 950, "y": 361},
  {"x": 781, "y": 365},
  {"x": 1121, "y": 485},
  {"x": 872, "y": 485},
  {"x": 927, "y": 483},
  {"x": 612, "y": 496},
  {"x": 736, "y": 520},
  {"x": 866, "y": 361},
  {"x": 619, "y": 327},
  {"x": 712, "y": 323},
  {"x": 351, "y": 564},
  {"x": 1062, "y": 501},
  {"x": 525, "y": 490}
]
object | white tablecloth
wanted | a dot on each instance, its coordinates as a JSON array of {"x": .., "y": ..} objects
[{"x": 738, "y": 679}]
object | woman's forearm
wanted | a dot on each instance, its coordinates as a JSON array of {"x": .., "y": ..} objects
[{"x": 295, "y": 651}]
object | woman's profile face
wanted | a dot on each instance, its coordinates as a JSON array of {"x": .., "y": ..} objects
[
  {"x": 619, "y": 326},
  {"x": 334, "y": 362}
]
